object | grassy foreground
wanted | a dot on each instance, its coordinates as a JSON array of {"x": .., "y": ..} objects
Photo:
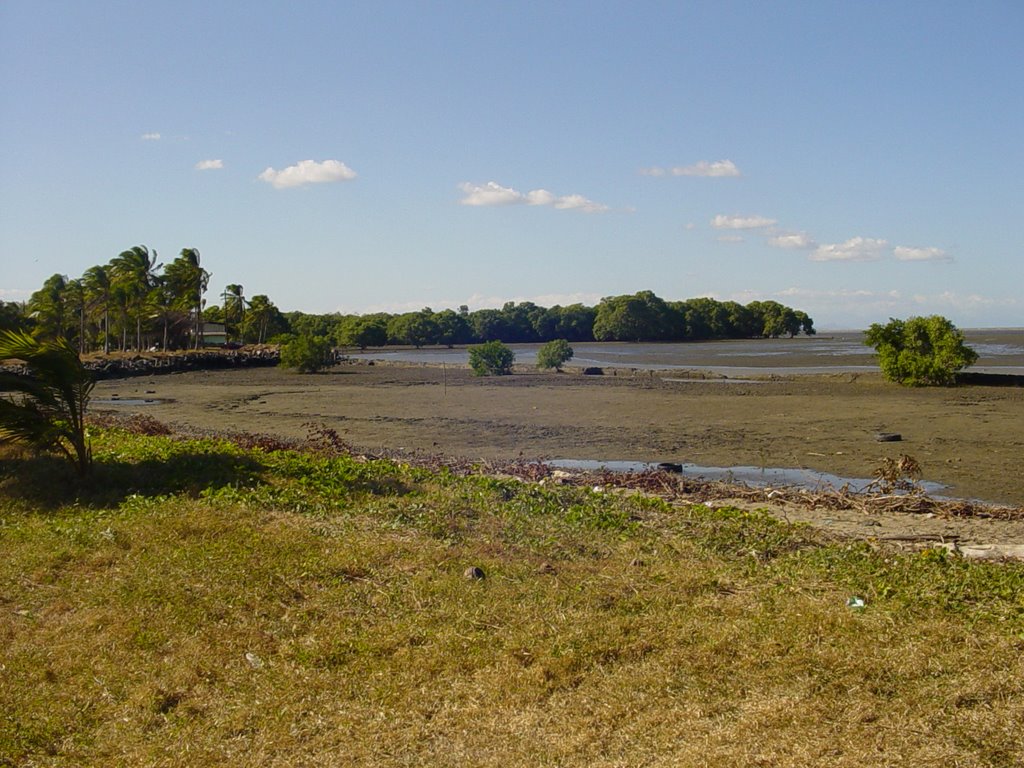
[{"x": 204, "y": 604}]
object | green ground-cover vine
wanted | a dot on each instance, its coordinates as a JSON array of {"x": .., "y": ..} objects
[{"x": 195, "y": 576}]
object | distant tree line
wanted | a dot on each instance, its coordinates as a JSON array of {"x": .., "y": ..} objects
[
  {"x": 134, "y": 303},
  {"x": 638, "y": 317}
]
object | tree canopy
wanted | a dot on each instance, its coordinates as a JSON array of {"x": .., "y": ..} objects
[
  {"x": 307, "y": 354},
  {"x": 554, "y": 354},
  {"x": 492, "y": 358},
  {"x": 920, "y": 351},
  {"x": 132, "y": 302}
]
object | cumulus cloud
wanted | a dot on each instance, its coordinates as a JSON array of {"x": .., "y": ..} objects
[
  {"x": 719, "y": 169},
  {"x": 792, "y": 240},
  {"x": 854, "y": 249},
  {"x": 540, "y": 197},
  {"x": 741, "y": 222},
  {"x": 492, "y": 194},
  {"x": 150, "y": 137},
  {"x": 579, "y": 203},
  {"x": 308, "y": 172},
  {"x": 209, "y": 165},
  {"x": 903, "y": 253}
]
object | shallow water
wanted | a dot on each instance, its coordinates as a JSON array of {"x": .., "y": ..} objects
[
  {"x": 1000, "y": 351},
  {"x": 755, "y": 476},
  {"x": 128, "y": 401}
]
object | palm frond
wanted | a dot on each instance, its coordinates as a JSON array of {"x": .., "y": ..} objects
[{"x": 47, "y": 407}]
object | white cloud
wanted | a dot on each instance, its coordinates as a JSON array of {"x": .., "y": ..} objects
[
  {"x": 717, "y": 169},
  {"x": 720, "y": 168},
  {"x": 14, "y": 294},
  {"x": 150, "y": 137},
  {"x": 839, "y": 293},
  {"x": 741, "y": 222},
  {"x": 854, "y": 249},
  {"x": 960, "y": 302},
  {"x": 492, "y": 194},
  {"x": 730, "y": 238},
  {"x": 308, "y": 172},
  {"x": 792, "y": 240},
  {"x": 903, "y": 253},
  {"x": 858, "y": 307},
  {"x": 209, "y": 165},
  {"x": 540, "y": 197},
  {"x": 579, "y": 203}
]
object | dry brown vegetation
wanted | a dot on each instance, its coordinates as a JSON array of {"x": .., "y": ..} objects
[{"x": 208, "y": 604}]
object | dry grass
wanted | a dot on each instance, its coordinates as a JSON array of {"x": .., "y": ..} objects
[{"x": 209, "y": 605}]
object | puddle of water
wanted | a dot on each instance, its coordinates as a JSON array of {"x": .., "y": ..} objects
[
  {"x": 755, "y": 476},
  {"x": 721, "y": 381},
  {"x": 128, "y": 401}
]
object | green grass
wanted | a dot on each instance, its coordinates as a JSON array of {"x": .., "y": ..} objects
[{"x": 200, "y": 604}]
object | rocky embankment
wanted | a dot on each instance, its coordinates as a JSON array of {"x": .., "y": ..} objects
[{"x": 149, "y": 364}]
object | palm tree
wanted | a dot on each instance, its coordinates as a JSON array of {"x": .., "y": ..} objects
[
  {"x": 135, "y": 270},
  {"x": 121, "y": 298},
  {"x": 48, "y": 307},
  {"x": 12, "y": 316},
  {"x": 189, "y": 282},
  {"x": 76, "y": 306},
  {"x": 46, "y": 409},
  {"x": 261, "y": 312},
  {"x": 99, "y": 293},
  {"x": 168, "y": 307},
  {"x": 234, "y": 308}
]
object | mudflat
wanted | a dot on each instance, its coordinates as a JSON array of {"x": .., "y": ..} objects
[{"x": 970, "y": 439}]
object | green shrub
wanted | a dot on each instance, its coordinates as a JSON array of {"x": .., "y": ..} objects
[
  {"x": 491, "y": 359},
  {"x": 921, "y": 351},
  {"x": 554, "y": 354},
  {"x": 307, "y": 354}
]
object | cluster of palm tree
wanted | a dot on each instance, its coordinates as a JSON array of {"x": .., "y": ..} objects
[
  {"x": 129, "y": 303},
  {"x": 251, "y": 321}
]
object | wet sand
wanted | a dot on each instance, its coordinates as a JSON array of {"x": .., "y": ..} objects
[{"x": 970, "y": 439}]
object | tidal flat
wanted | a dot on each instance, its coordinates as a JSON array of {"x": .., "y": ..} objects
[{"x": 969, "y": 439}]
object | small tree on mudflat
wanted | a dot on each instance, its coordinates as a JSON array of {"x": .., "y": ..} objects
[
  {"x": 921, "y": 351},
  {"x": 307, "y": 354},
  {"x": 491, "y": 359},
  {"x": 554, "y": 354}
]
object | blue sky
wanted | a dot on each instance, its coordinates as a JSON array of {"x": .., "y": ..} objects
[{"x": 857, "y": 160}]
